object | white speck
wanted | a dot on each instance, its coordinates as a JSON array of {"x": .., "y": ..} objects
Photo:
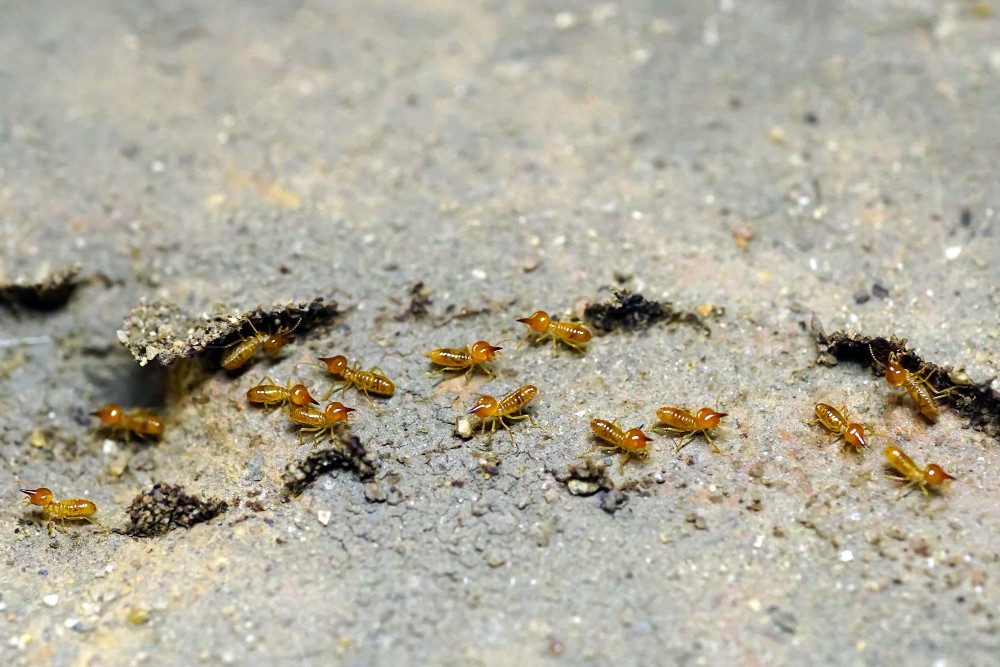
[
  {"x": 930, "y": 293},
  {"x": 580, "y": 413},
  {"x": 157, "y": 167},
  {"x": 565, "y": 20},
  {"x": 758, "y": 542},
  {"x": 813, "y": 264},
  {"x": 109, "y": 447},
  {"x": 930, "y": 563},
  {"x": 846, "y": 556},
  {"x": 478, "y": 274},
  {"x": 323, "y": 516},
  {"x": 464, "y": 427},
  {"x": 368, "y": 239},
  {"x": 637, "y": 215},
  {"x": 71, "y": 622},
  {"x": 856, "y": 516},
  {"x": 559, "y": 240},
  {"x": 51, "y": 600},
  {"x": 640, "y": 56},
  {"x": 953, "y": 252}
]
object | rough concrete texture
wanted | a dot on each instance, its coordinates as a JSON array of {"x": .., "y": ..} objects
[{"x": 775, "y": 159}]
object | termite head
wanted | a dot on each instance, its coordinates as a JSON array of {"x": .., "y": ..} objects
[
  {"x": 636, "y": 441},
  {"x": 709, "y": 418},
  {"x": 855, "y": 436},
  {"x": 483, "y": 351},
  {"x": 40, "y": 496},
  {"x": 935, "y": 475},
  {"x": 335, "y": 365},
  {"x": 279, "y": 338},
  {"x": 895, "y": 374},
  {"x": 486, "y": 406},
  {"x": 299, "y": 395},
  {"x": 538, "y": 321},
  {"x": 109, "y": 414},
  {"x": 337, "y": 412}
]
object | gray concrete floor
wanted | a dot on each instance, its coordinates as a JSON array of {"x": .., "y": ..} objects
[{"x": 512, "y": 156}]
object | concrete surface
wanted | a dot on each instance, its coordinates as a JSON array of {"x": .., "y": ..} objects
[{"x": 512, "y": 156}]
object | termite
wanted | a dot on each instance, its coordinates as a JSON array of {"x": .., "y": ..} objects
[
  {"x": 489, "y": 408},
  {"x": 682, "y": 422},
  {"x": 142, "y": 423},
  {"x": 632, "y": 442},
  {"x": 314, "y": 420},
  {"x": 74, "y": 509},
  {"x": 930, "y": 475},
  {"x": 273, "y": 394},
  {"x": 839, "y": 424},
  {"x": 370, "y": 381},
  {"x": 915, "y": 384},
  {"x": 244, "y": 350},
  {"x": 573, "y": 334},
  {"x": 472, "y": 357}
]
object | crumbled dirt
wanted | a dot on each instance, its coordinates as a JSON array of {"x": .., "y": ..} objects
[
  {"x": 162, "y": 332},
  {"x": 420, "y": 303},
  {"x": 629, "y": 312},
  {"x": 49, "y": 291},
  {"x": 976, "y": 402},
  {"x": 349, "y": 453},
  {"x": 585, "y": 478},
  {"x": 168, "y": 506}
]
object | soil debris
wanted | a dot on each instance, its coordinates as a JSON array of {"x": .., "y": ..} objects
[
  {"x": 162, "y": 332},
  {"x": 585, "y": 478},
  {"x": 168, "y": 506},
  {"x": 976, "y": 402},
  {"x": 629, "y": 311},
  {"x": 420, "y": 301},
  {"x": 48, "y": 291},
  {"x": 349, "y": 452}
]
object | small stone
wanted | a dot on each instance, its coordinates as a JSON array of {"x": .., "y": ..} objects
[
  {"x": 138, "y": 615},
  {"x": 846, "y": 556},
  {"x": 51, "y": 600},
  {"x": 464, "y": 428},
  {"x": 580, "y": 487},
  {"x": 862, "y": 296},
  {"x": 323, "y": 516},
  {"x": 493, "y": 559}
]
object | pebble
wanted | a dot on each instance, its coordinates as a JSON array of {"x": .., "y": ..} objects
[
  {"x": 51, "y": 600},
  {"x": 323, "y": 516}
]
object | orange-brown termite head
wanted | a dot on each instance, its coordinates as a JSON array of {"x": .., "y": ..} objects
[
  {"x": 110, "y": 414},
  {"x": 486, "y": 406},
  {"x": 40, "y": 496},
  {"x": 895, "y": 374},
  {"x": 335, "y": 365},
  {"x": 935, "y": 474},
  {"x": 709, "y": 418},
  {"x": 299, "y": 395},
  {"x": 636, "y": 441},
  {"x": 336, "y": 412},
  {"x": 482, "y": 351},
  {"x": 538, "y": 321},
  {"x": 854, "y": 435}
]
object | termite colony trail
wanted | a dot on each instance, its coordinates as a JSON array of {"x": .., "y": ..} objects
[
  {"x": 75, "y": 509},
  {"x": 838, "y": 423},
  {"x": 686, "y": 424},
  {"x": 573, "y": 334},
  {"x": 468, "y": 359},
  {"x": 632, "y": 443},
  {"x": 930, "y": 475},
  {"x": 493, "y": 410},
  {"x": 140, "y": 422}
]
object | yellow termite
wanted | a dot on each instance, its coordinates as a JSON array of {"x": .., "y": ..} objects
[
  {"x": 244, "y": 350},
  {"x": 489, "y": 408},
  {"x": 632, "y": 442},
  {"x": 930, "y": 475},
  {"x": 73, "y": 510},
  {"x": 573, "y": 334}
]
